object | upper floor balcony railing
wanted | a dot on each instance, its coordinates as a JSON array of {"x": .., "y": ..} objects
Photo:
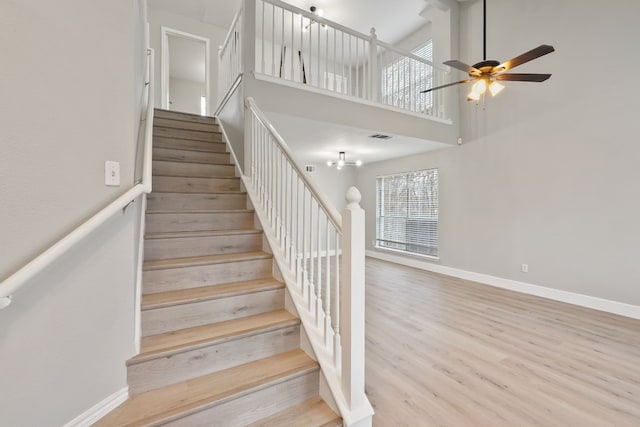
[{"x": 296, "y": 47}]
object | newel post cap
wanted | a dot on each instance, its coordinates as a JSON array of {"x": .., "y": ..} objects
[{"x": 353, "y": 197}]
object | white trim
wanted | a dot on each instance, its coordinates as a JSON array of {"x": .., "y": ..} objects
[
  {"x": 614, "y": 307},
  {"x": 100, "y": 409},
  {"x": 296, "y": 85},
  {"x": 165, "y": 64}
]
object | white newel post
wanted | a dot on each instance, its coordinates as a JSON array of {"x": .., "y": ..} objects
[
  {"x": 374, "y": 74},
  {"x": 352, "y": 300}
]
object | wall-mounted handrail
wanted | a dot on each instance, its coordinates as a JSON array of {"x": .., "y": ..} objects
[{"x": 21, "y": 277}]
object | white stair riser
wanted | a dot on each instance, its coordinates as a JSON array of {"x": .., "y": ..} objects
[
  {"x": 175, "y": 115},
  {"x": 190, "y": 364},
  {"x": 175, "y": 201},
  {"x": 194, "y": 185},
  {"x": 178, "y": 155},
  {"x": 171, "y": 168},
  {"x": 206, "y": 221},
  {"x": 187, "y": 134},
  {"x": 262, "y": 403},
  {"x": 187, "y": 125},
  {"x": 205, "y": 275},
  {"x": 182, "y": 247},
  {"x": 166, "y": 319},
  {"x": 185, "y": 144}
]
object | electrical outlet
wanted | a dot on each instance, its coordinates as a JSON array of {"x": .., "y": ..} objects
[
  {"x": 111, "y": 173},
  {"x": 525, "y": 268}
]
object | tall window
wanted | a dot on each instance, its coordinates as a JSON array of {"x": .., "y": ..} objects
[
  {"x": 403, "y": 79},
  {"x": 407, "y": 212}
]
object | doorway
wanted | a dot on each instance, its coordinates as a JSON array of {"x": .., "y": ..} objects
[{"x": 185, "y": 72}]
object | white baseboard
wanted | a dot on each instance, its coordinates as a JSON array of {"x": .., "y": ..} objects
[
  {"x": 600, "y": 304},
  {"x": 100, "y": 409}
]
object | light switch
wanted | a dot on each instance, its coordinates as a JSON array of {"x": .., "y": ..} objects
[{"x": 112, "y": 173}]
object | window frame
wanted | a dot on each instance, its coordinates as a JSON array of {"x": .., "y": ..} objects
[
  {"x": 396, "y": 80},
  {"x": 396, "y": 217}
]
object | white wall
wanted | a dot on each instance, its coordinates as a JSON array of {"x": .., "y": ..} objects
[
  {"x": 334, "y": 183},
  {"x": 185, "y": 95},
  {"x": 68, "y": 67},
  {"x": 159, "y": 18},
  {"x": 548, "y": 172}
]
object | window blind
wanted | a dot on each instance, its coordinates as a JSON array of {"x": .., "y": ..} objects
[
  {"x": 407, "y": 212},
  {"x": 397, "y": 84}
]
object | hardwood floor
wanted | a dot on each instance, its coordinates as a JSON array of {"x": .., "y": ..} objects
[{"x": 447, "y": 352}]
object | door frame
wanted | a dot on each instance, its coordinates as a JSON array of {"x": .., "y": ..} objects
[{"x": 165, "y": 64}]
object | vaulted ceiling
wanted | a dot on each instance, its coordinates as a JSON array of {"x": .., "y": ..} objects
[{"x": 393, "y": 20}]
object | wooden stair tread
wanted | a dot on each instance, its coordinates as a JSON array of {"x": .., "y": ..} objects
[
  {"x": 187, "y": 397},
  {"x": 199, "y": 336},
  {"x": 212, "y": 233},
  {"x": 204, "y": 260},
  {"x": 196, "y": 178},
  {"x": 169, "y": 143},
  {"x": 312, "y": 413},
  {"x": 156, "y": 126},
  {"x": 205, "y": 293},
  {"x": 196, "y": 162},
  {"x": 171, "y": 114},
  {"x": 199, "y": 211}
]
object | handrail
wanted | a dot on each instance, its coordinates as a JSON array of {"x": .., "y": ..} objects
[
  {"x": 339, "y": 60},
  {"x": 320, "y": 256},
  {"x": 18, "y": 279},
  {"x": 318, "y": 18},
  {"x": 332, "y": 213},
  {"x": 224, "y": 45},
  {"x": 332, "y": 24}
]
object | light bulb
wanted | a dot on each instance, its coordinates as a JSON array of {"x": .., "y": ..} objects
[
  {"x": 479, "y": 87},
  {"x": 340, "y": 163},
  {"x": 473, "y": 96},
  {"x": 329, "y": 163},
  {"x": 358, "y": 163},
  {"x": 339, "y": 167},
  {"x": 495, "y": 88}
]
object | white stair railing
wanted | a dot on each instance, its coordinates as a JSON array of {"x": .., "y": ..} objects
[
  {"x": 290, "y": 45},
  {"x": 320, "y": 255},
  {"x": 230, "y": 57}
]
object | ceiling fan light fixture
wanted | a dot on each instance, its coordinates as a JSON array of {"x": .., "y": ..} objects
[
  {"x": 479, "y": 87},
  {"x": 473, "y": 96},
  {"x": 495, "y": 88}
]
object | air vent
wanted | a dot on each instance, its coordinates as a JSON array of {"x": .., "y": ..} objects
[
  {"x": 380, "y": 136},
  {"x": 310, "y": 168}
]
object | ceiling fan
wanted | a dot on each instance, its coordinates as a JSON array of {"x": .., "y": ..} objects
[{"x": 487, "y": 72}]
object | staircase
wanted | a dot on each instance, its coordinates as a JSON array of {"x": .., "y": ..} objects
[{"x": 218, "y": 346}]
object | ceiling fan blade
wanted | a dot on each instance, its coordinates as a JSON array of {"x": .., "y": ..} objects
[
  {"x": 463, "y": 67},
  {"x": 525, "y": 57},
  {"x": 447, "y": 85},
  {"x": 522, "y": 77}
]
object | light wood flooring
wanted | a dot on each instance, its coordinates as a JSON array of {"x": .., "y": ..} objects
[{"x": 447, "y": 352}]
